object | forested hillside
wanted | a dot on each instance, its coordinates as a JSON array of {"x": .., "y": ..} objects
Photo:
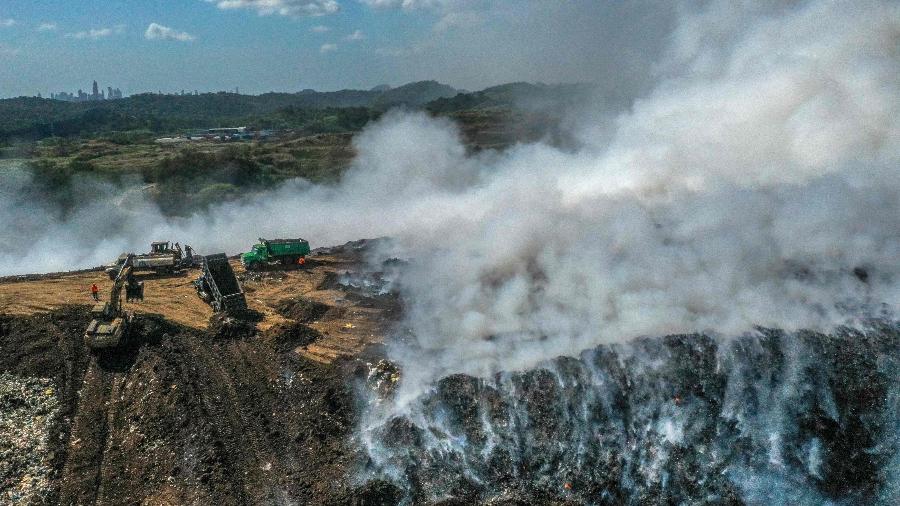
[{"x": 35, "y": 118}]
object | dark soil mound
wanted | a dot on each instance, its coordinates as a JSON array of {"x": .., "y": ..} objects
[
  {"x": 301, "y": 309},
  {"x": 390, "y": 304},
  {"x": 331, "y": 282},
  {"x": 177, "y": 417},
  {"x": 354, "y": 250},
  {"x": 289, "y": 336},
  {"x": 225, "y": 326},
  {"x": 377, "y": 493}
]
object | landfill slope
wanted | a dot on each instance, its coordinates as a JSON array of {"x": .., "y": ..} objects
[
  {"x": 180, "y": 416},
  {"x": 233, "y": 412},
  {"x": 768, "y": 418},
  {"x": 293, "y": 406}
]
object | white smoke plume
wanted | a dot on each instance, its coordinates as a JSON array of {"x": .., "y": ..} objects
[{"x": 743, "y": 190}]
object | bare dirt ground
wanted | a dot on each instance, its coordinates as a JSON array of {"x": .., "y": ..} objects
[
  {"x": 192, "y": 409},
  {"x": 346, "y": 330}
]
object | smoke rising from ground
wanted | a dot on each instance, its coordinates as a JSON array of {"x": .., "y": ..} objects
[{"x": 743, "y": 190}]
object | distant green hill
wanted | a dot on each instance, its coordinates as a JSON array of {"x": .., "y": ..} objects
[
  {"x": 307, "y": 111},
  {"x": 36, "y": 118},
  {"x": 521, "y": 96}
]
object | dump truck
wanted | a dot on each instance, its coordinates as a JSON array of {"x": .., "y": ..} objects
[
  {"x": 109, "y": 324},
  {"x": 270, "y": 251},
  {"x": 162, "y": 259},
  {"x": 218, "y": 285}
]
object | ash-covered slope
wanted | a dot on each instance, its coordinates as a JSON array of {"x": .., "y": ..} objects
[{"x": 771, "y": 418}]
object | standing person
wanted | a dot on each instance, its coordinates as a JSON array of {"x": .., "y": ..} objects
[{"x": 95, "y": 292}]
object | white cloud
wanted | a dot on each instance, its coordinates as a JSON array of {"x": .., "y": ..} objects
[
  {"x": 94, "y": 33},
  {"x": 357, "y": 35},
  {"x": 293, "y": 8},
  {"x": 408, "y": 4},
  {"x": 157, "y": 31},
  {"x": 320, "y": 29},
  {"x": 327, "y": 48},
  {"x": 459, "y": 19},
  {"x": 8, "y": 51},
  {"x": 453, "y": 13},
  {"x": 6, "y": 22},
  {"x": 47, "y": 27}
]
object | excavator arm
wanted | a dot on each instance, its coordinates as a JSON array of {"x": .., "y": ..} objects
[
  {"x": 110, "y": 323},
  {"x": 124, "y": 275}
]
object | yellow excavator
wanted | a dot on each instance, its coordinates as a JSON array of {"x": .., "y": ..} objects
[{"x": 110, "y": 322}]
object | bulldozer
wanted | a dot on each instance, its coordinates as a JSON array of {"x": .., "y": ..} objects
[
  {"x": 110, "y": 323},
  {"x": 162, "y": 259}
]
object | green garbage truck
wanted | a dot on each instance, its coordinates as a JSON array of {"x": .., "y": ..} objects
[{"x": 271, "y": 251}]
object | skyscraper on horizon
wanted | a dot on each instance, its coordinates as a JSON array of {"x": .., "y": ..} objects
[{"x": 96, "y": 95}]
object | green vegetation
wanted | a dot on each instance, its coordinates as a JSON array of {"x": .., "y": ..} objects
[
  {"x": 115, "y": 141},
  {"x": 187, "y": 177},
  {"x": 308, "y": 111}
]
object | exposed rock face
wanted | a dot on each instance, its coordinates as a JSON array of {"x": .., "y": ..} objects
[{"x": 765, "y": 419}]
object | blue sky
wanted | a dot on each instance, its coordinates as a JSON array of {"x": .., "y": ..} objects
[{"x": 288, "y": 45}]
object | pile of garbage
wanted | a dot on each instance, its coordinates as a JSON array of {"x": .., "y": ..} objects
[
  {"x": 769, "y": 418},
  {"x": 262, "y": 276},
  {"x": 28, "y": 407},
  {"x": 382, "y": 379}
]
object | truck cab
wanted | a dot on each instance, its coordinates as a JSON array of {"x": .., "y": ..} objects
[
  {"x": 258, "y": 255},
  {"x": 283, "y": 251}
]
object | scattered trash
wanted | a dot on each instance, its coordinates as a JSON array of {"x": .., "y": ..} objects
[
  {"x": 27, "y": 409},
  {"x": 383, "y": 378}
]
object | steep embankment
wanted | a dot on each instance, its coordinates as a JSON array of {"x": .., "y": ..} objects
[
  {"x": 184, "y": 416},
  {"x": 770, "y": 418}
]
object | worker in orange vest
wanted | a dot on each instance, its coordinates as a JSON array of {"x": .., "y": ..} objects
[{"x": 95, "y": 292}]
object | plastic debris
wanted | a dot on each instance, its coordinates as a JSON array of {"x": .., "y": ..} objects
[{"x": 28, "y": 407}]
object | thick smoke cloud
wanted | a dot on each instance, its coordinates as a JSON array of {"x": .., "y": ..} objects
[
  {"x": 40, "y": 235},
  {"x": 743, "y": 190}
]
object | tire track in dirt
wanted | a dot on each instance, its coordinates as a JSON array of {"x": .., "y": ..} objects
[{"x": 81, "y": 475}]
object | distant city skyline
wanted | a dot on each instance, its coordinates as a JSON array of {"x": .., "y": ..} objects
[
  {"x": 110, "y": 93},
  {"x": 291, "y": 45},
  {"x": 96, "y": 94}
]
